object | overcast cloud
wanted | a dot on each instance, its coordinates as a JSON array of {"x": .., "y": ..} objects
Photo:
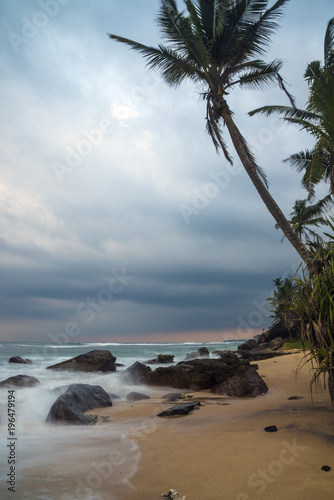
[{"x": 118, "y": 219}]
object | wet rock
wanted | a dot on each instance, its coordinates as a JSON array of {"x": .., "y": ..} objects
[
  {"x": 135, "y": 373},
  {"x": 271, "y": 428},
  {"x": 20, "y": 381},
  {"x": 250, "y": 344},
  {"x": 202, "y": 352},
  {"x": 198, "y": 374},
  {"x": 70, "y": 406},
  {"x": 93, "y": 361},
  {"x": 295, "y": 397},
  {"x": 136, "y": 396},
  {"x": 161, "y": 359},
  {"x": 180, "y": 409},
  {"x": 246, "y": 385},
  {"x": 18, "y": 359},
  {"x": 172, "y": 396}
]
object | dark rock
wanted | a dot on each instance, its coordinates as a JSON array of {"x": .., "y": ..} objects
[
  {"x": 136, "y": 396},
  {"x": 180, "y": 409},
  {"x": 250, "y": 344},
  {"x": 285, "y": 330},
  {"x": 20, "y": 381},
  {"x": 276, "y": 343},
  {"x": 261, "y": 352},
  {"x": 262, "y": 338},
  {"x": 198, "y": 374},
  {"x": 202, "y": 352},
  {"x": 295, "y": 397},
  {"x": 326, "y": 468},
  {"x": 119, "y": 365},
  {"x": 135, "y": 373},
  {"x": 246, "y": 385},
  {"x": 271, "y": 428},
  {"x": 172, "y": 396},
  {"x": 18, "y": 359},
  {"x": 93, "y": 361},
  {"x": 161, "y": 359},
  {"x": 70, "y": 407}
]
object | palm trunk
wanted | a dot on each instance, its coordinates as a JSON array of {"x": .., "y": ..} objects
[{"x": 266, "y": 197}]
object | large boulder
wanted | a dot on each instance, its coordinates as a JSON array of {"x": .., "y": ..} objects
[
  {"x": 249, "y": 385},
  {"x": 18, "y": 359},
  {"x": 93, "y": 361},
  {"x": 135, "y": 373},
  {"x": 70, "y": 406},
  {"x": 202, "y": 352},
  {"x": 20, "y": 381},
  {"x": 198, "y": 374},
  {"x": 249, "y": 344},
  {"x": 259, "y": 353},
  {"x": 284, "y": 329}
]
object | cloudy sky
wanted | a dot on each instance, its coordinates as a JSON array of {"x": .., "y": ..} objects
[{"x": 118, "y": 219}]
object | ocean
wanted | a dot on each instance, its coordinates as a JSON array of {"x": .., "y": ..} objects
[{"x": 40, "y": 461}]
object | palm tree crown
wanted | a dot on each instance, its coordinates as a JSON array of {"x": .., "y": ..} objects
[{"x": 218, "y": 44}]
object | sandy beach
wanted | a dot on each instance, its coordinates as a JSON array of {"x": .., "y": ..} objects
[{"x": 221, "y": 450}]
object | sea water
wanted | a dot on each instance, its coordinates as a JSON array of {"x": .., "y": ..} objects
[{"x": 48, "y": 462}]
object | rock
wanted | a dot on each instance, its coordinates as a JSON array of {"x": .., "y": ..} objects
[
  {"x": 135, "y": 373},
  {"x": 92, "y": 419},
  {"x": 93, "y": 361},
  {"x": 113, "y": 396},
  {"x": 262, "y": 338},
  {"x": 276, "y": 343},
  {"x": 161, "y": 359},
  {"x": 285, "y": 330},
  {"x": 171, "y": 495},
  {"x": 202, "y": 352},
  {"x": 271, "y": 428},
  {"x": 136, "y": 396},
  {"x": 119, "y": 365},
  {"x": 250, "y": 344},
  {"x": 295, "y": 397},
  {"x": 246, "y": 385},
  {"x": 172, "y": 396},
  {"x": 198, "y": 374},
  {"x": 18, "y": 359},
  {"x": 70, "y": 407},
  {"x": 326, "y": 468},
  {"x": 180, "y": 409},
  {"x": 20, "y": 381},
  {"x": 261, "y": 352}
]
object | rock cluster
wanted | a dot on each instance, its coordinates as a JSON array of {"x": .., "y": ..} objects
[
  {"x": 18, "y": 359},
  {"x": 263, "y": 348}
]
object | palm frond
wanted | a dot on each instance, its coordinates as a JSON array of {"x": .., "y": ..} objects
[
  {"x": 261, "y": 77},
  {"x": 329, "y": 44},
  {"x": 287, "y": 112}
]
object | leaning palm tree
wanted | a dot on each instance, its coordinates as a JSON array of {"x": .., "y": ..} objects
[
  {"x": 217, "y": 44},
  {"x": 317, "y": 119}
]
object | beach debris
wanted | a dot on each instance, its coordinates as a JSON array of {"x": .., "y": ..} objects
[
  {"x": 295, "y": 397},
  {"x": 70, "y": 406},
  {"x": 180, "y": 409},
  {"x": 92, "y": 419},
  {"x": 271, "y": 428},
  {"x": 20, "y": 381},
  {"x": 105, "y": 418},
  {"x": 136, "y": 396},
  {"x": 171, "y": 495},
  {"x": 99, "y": 360},
  {"x": 326, "y": 468}
]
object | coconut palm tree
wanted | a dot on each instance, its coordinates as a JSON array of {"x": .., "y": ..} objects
[
  {"x": 217, "y": 44},
  {"x": 305, "y": 215},
  {"x": 317, "y": 119}
]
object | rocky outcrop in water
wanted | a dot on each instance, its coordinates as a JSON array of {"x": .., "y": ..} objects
[
  {"x": 135, "y": 373},
  {"x": 70, "y": 407},
  {"x": 202, "y": 374},
  {"x": 20, "y": 381},
  {"x": 161, "y": 359},
  {"x": 93, "y": 361},
  {"x": 202, "y": 352},
  {"x": 18, "y": 359}
]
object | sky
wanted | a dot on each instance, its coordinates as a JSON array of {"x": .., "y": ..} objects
[{"x": 118, "y": 220}]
